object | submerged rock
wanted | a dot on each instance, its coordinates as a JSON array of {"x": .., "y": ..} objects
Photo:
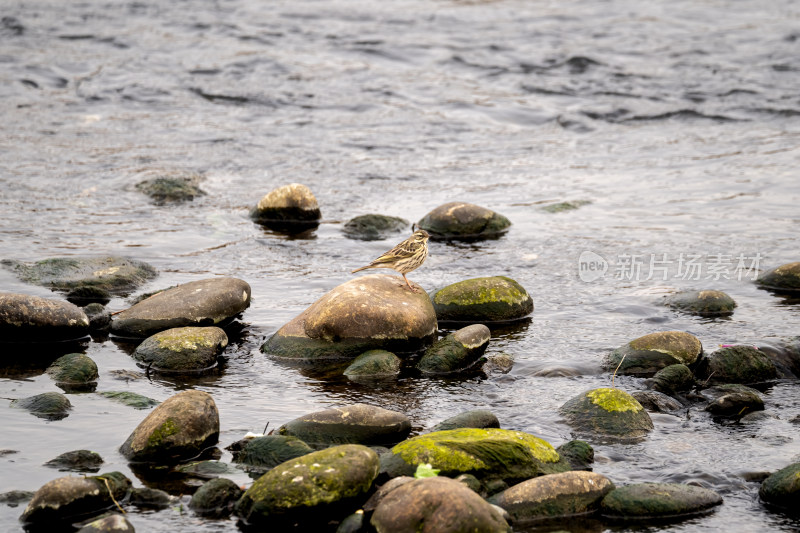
[
  {"x": 554, "y": 495},
  {"x": 77, "y": 461},
  {"x": 373, "y": 363},
  {"x": 737, "y": 364},
  {"x": 734, "y": 400},
  {"x": 171, "y": 189},
  {"x": 607, "y": 413},
  {"x": 99, "y": 317},
  {"x": 74, "y": 372},
  {"x": 205, "y": 302},
  {"x": 479, "y": 418},
  {"x": 374, "y": 227},
  {"x": 291, "y": 207},
  {"x": 560, "y": 207},
  {"x": 578, "y": 453},
  {"x": 113, "y": 523},
  {"x": 655, "y": 500},
  {"x": 66, "y": 499},
  {"x": 460, "y": 220},
  {"x": 703, "y": 303},
  {"x": 131, "y": 399},
  {"x": 782, "y": 488},
  {"x": 180, "y": 428},
  {"x": 457, "y": 351},
  {"x": 35, "y": 319},
  {"x": 111, "y": 274},
  {"x": 485, "y": 453},
  {"x": 48, "y": 405},
  {"x": 189, "y": 349},
  {"x": 14, "y": 498},
  {"x": 216, "y": 498},
  {"x": 656, "y": 402},
  {"x": 482, "y": 300},
  {"x": 783, "y": 278},
  {"x": 351, "y": 424},
  {"x": 87, "y": 294},
  {"x": 673, "y": 379},
  {"x": 648, "y": 354},
  {"x": 436, "y": 504},
  {"x": 269, "y": 451},
  {"x": 147, "y": 498},
  {"x": 309, "y": 489},
  {"x": 368, "y": 312}
]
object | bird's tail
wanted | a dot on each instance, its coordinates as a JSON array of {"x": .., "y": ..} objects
[{"x": 360, "y": 269}]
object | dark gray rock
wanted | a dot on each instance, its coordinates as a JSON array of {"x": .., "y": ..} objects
[
  {"x": 578, "y": 453},
  {"x": 648, "y": 354},
  {"x": 113, "y": 523},
  {"x": 707, "y": 303},
  {"x": 48, "y": 405},
  {"x": 785, "y": 278},
  {"x": 655, "y": 500},
  {"x": 263, "y": 453},
  {"x": 374, "y": 227},
  {"x": 457, "y": 351},
  {"x": 84, "y": 295},
  {"x": 216, "y": 498},
  {"x": 148, "y": 498},
  {"x": 290, "y": 208},
  {"x": 656, "y": 402},
  {"x": 14, "y": 498},
  {"x": 35, "y": 319},
  {"x": 373, "y": 363},
  {"x": 460, "y": 220},
  {"x": 607, "y": 414},
  {"x": 207, "y": 302},
  {"x": 736, "y": 364},
  {"x": 479, "y": 418},
  {"x": 74, "y": 372},
  {"x": 180, "y": 428},
  {"x": 353, "y": 523},
  {"x": 208, "y": 469},
  {"x": 482, "y": 300},
  {"x": 733, "y": 400},
  {"x": 782, "y": 488},
  {"x": 351, "y": 424},
  {"x": 99, "y": 317},
  {"x": 131, "y": 399},
  {"x": 188, "y": 349},
  {"x": 673, "y": 379},
  {"x": 77, "y": 461},
  {"x": 561, "y": 207},
  {"x": 171, "y": 189}
]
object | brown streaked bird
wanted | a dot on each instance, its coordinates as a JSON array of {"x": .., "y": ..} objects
[{"x": 405, "y": 257}]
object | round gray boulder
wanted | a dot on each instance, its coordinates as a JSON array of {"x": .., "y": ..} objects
[
  {"x": 377, "y": 311},
  {"x": 703, "y": 303},
  {"x": 74, "y": 372},
  {"x": 287, "y": 207},
  {"x": 373, "y": 363},
  {"x": 648, "y": 354},
  {"x": 733, "y": 400},
  {"x": 351, "y": 424},
  {"x": 608, "y": 414},
  {"x": 48, "y": 405},
  {"x": 737, "y": 364},
  {"x": 783, "y": 278},
  {"x": 189, "y": 349},
  {"x": 656, "y": 402},
  {"x": 77, "y": 461},
  {"x": 35, "y": 319},
  {"x": 374, "y": 227},
  {"x": 207, "y": 302},
  {"x": 216, "y": 498},
  {"x": 113, "y": 523},
  {"x": 782, "y": 488},
  {"x": 180, "y": 428},
  {"x": 655, "y": 500},
  {"x": 436, "y": 504},
  {"x": 482, "y": 300},
  {"x": 263, "y": 453},
  {"x": 673, "y": 379},
  {"x": 460, "y": 220},
  {"x": 478, "y": 418},
  {"x": 457, "y": 351}
]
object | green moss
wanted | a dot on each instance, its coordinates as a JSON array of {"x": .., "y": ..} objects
[
  {"x": 614, "y": 400},
  {"x": 679, "y": 344},
  {"x": 481, "y": 291},
  {"x": 165, "y": 430}
]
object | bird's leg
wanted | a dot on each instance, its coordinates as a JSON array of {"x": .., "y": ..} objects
[{"x": 409, "y": 284}]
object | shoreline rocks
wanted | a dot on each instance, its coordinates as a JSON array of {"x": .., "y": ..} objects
[{"x": 737, "y": 364}]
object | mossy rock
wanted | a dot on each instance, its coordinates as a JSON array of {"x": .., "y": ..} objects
[
  {"x": 458, "y": 351},
  {"x": 83, "y": 295},
  {"x": 374, "y": 363},
  {"x": 609, "y": 414},
  {"x": 737, "y": 364},
  {"x": 658, "y": 500},
  {"x": 99, "y": 317},
  {"x": 149, "y": 498},
  {"x": 561, "y": 207},
  {"x": 26, "y": 318},
  {"x": 350, "y": 424},
  {"x": 64, "y": 500},
  {"x": 208, "y": 469},
  {"x": 48, "y": 405},
  {"x": 14, "y": 498},
  {"x": 374, "y": 227},
  {"x": 74, "y": 372},
  {"x": 113, "y": 275},
  {"x": 783, "y": 278},
  {"x": 482, "y": 300},
  {"x": 216, "y": 498},
  {"x": 554, "y": 496},
  {"x": 578, "y": 453},
  {"x": 168, "y": 189},
  {"x": 111, "y": 523},
  {"x": 782, "y": 488},
  {"x": 672, "y": 379},
  {"x": 131, "y": 399},
  {"x": 485, "y": 453},
  {"x": 460, "y": 220},
  {"x": 707, "y": 303},
  {"x": 310, "y": 489},
  {"x": 733, "y": 400},
  {"x": 478, "y": 418},
  {"x": 263, "y": 453},
  {"x": 77, "y": 461},
  {"x": 288, "y": 208},
  {"x": 648, "y": 354},
  {"x": 656, "y": 402},
  {"x": 187, "y": 349}
]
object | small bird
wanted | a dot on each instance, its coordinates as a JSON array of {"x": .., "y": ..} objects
[{"x": 405, "y": 257}]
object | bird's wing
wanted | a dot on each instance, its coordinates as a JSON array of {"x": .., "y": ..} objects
[{"x": 402, "y": 251}]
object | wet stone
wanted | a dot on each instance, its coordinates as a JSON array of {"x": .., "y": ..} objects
[
  {"x": 113, "y": 523},
  {"x": 83, "y": 295},
  {"x": 373, "y": 363},
  {"x": 562, "y": 207},
  {"x": 188, "y": 349},
  {"x": 436, "y": 504},
  {"x": 351, "y": 424},
  {"x": 782, "y": 488},
  {"x": 479, "y": 418},
  {"x": 457, "y": 351},
  {"x": 555, "y": 495},
  {"x": 263, "y": 453},
  {"x": 290, "y": 208},
  {"x": 131, "y": 399},
  {"x": 14, "y": 498},
  {"x": 374, "y": 227},
  {"x": 785, "y": 278},
  {"x": 147, "y": 498},
  {"x": 171, "y": 189},
  {"x": 48, "y": 405},
  {"x": 35, "y": 319},
  {"x": 648, "y": 354},
  {"x": 99, "y": 317},
  {"x": 672, "y": 379},
  {"x": 74, "y": 372},
  {"x": 733, "y": 400},
  {"x": 77, "y": 461},
  {"x": 206, "y": 302},
  {"x": 708, "y": 303},
  {"x": 216, "y": 498},
  {"x": 656, "y": 402},
  {"x": 578, "y": 453},
  {"x": 609, "y": 414},
  {"x": 482, "y": 300},
  {"x": 208, "y": 469},
  {"x": 460, "y": 220},
  {"x": 737, "y": 364},
  {"x": 654, "y": 500}
]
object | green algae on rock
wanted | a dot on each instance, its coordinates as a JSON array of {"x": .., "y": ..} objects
[
  {"x": 708, "y": 303},
  {"x": 48, "y": 405},
  {"x": 373, "y": 363},
  {"x": 77, "y": 461},
  {"x": 737, "y": 364},
  {"x": 782, "y": 488},
  {"x": 672, "y": 379},
  {"x": 74, "y": 372},
  {"x": 477, "y": 418},
  {"x": 460, "y": 220},
  {"x": 607, "y": 413},
  {"x": 482, "y": 300},
  {"x": 187, "y": 349},
  {"x": 733, "y": 400},
  {"x": 457, "y": 351},
  {"x": 486, "y": 453},
  {"x": 783, "y": 278},
  {"x": 171, "y": 189},
  {"x": 131, "y": 399},
  {"x": 263, "y": 453},
  {"x": 658, "y": 500},
  {"x": 561, "y": 207},
  {"x": 648, "y": 354},
  {"x": 308, "y": 489},
  {"x": 216, "y": 498}
]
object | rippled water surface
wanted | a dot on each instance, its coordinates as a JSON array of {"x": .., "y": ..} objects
[{"x": 677, "y": 121}]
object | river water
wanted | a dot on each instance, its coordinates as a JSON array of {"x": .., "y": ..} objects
[{"x": 679, "y": 123}]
